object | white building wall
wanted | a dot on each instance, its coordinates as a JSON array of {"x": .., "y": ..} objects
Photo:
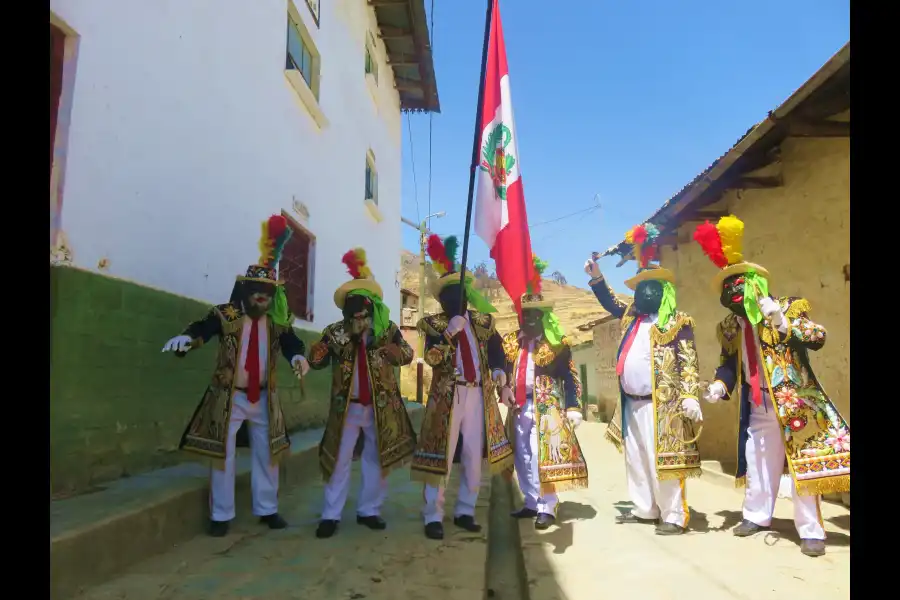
[{"x": 185, "y": 135}]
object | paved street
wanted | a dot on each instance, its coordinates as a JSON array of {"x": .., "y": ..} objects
[
  {"x": 590, "y": 557},
  {"x": 587, "y": 557}
]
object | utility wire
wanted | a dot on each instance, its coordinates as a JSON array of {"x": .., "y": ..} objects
[
  {"x": 430, "y": 114},
  {"x": 412, "y": 157}
]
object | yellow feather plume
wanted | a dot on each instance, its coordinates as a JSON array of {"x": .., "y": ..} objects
[
  {"x": 731, "y": 230},
  {"x": 266, "y": 248},
  {"x": 629, "y": 236},
  {"x": 364, "y": 271},
  {"x": 439, "y": 268}
]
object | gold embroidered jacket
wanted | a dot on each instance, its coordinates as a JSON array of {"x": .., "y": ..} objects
[
  {"x": 817, "y": 438},
  {"x": 207, "y": 430},
  {"x": 430, "y": 462},
  {"x": 394, "y": 431},
  {"x": 674, "y": 376},
  {"x": 556, "y": 388}
]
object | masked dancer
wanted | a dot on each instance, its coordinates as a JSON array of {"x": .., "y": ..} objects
[
  {"x": 254, "y": 327},
  {"x": 787, "y": 423},
  {"x": 658, "y": 384}
]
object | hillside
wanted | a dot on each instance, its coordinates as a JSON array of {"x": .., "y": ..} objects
[{"x": 574, "y": 305}]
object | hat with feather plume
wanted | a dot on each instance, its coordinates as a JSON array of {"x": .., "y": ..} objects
[
  {"x": 723, "y": 243},
  {"x": 643, "y": 241},
  {"x": 363, "y": 280},
  {"x": 443, "y": 261},
  {"x": 275, "y": 235}
]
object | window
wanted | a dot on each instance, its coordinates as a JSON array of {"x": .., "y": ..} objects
[
  {"x": 371, "y": 61},
  {"x": 371, "y": 179},
  {"x": 300, "y": 57},
  {"x": 297, "y": 269}
]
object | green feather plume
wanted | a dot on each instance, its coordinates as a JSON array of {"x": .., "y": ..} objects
[{"x": 451, "y": 246}]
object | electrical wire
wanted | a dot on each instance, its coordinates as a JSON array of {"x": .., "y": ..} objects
[{"x": 412, "y": 157}]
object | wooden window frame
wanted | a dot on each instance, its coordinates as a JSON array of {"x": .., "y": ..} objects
[
  {"x": 371, "y": 60},
  {"x": 309, "y": 315}
]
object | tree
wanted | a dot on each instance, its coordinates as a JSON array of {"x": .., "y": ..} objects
[{"x": 558, "y": 278}]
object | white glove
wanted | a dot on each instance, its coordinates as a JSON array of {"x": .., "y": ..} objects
[
  {"x": 592, "y": 268},
  {"x": 507, "y": 398},
  {"x": 499, "y": 378},
  {"x": 715, "y": 392},
  {"x": 300, "y": 363},
  {"x": 771, "y": 310},
  {"x": 179, "y": 343},
  {"x": 575, "y": 417},
  {"x": 691, "y": 409},
  {"x": 456, "y": 325}
]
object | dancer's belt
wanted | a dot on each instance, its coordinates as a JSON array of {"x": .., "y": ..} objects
[
  {"x": 648, "y": 397},
  {"x": 465, "y": 383}
]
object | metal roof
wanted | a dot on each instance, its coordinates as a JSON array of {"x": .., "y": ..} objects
[
  {"x": 404, "y": 31},
  {"x": 834, "y": 74}
]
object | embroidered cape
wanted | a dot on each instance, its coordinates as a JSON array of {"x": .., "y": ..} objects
[
  {"x": 556, "y": 389},
  {"x": 817, "y": 438},
  {"x": 674, "y": 376},
  {"x": 394, "y": 431},
  {"x": 207, "y": 430},
  {"x": 430, "y": 462}
]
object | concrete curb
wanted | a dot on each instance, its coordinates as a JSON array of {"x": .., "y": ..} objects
[{"x": 94, "y": 551}]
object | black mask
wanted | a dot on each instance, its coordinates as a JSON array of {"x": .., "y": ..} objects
[
  {"x": 256, "y": 297},
  {"x": 358, "y": 313},
  {"x": 532, "y": 323},
  {"x": 648, "y": 297},
  {"x": 732, "y": 296},
  {"x": 449, "y": 299}
]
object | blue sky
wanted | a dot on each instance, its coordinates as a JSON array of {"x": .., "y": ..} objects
[{"x": 626, "y": 99}]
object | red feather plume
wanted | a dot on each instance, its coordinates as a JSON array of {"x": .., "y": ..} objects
[
  {"x": 351, "y": 259},
  {"x": 437, "y": 253},
  {"x": 277, "y": 226},
  {"x": 648, "y": 254},
  {"x": 640, "y": 235},
  {"x": 708, "y": 237}
]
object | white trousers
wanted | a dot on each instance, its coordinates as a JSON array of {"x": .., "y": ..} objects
[
  {"x": 374, "y": 487},
  {"x": 652, "y": 498},
  {"x": 468, "y": 418},
  {"x": 527, "y": 455},
  {"x": 263, "y": 474},
  {"x": 765, "y": 463}
]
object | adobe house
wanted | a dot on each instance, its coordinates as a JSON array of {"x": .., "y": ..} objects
[{"x": 788, "y": 179}]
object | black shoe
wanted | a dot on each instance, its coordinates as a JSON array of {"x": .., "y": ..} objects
[
  {"x": 326, "y": 528},
  {"x": 524, "y": 513},
  {"x": 669, "y": 529},
  {"x": 812, "y": 547},
  {"x": 467, "y": 522},
  {"x": 434, "y": 530},
  {"x": 218, "y": 528},
  {"x": 372, "y": 522},
  {"x": 544, "y": 521},
  {"x": 747, "y": 528},
  {"x": 274, "y": 521},
  {"x": 629, "y": 517}
]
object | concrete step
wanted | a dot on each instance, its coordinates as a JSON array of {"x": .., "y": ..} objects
[{"x": 97, "y": 536}]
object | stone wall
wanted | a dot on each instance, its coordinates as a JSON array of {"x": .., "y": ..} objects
[
  {"x": 606, "y": 345},
  {"x": 118, "y": 405},
  {"x": 801, "y": 233}
]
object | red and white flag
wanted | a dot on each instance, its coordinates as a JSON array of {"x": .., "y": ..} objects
[{"x": 500, "y": 217}]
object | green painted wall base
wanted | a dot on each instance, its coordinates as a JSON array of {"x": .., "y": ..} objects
[{"x": 118, "y": 405}]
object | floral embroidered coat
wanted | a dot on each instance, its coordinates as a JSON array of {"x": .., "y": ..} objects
[
  {"x": 556, "y": 389},
  {"x": 394, "y": 431},
  {"x": 817, "y": 439},
  {"x": 430, "y": 462},
  {"x": 207, "y": 430},
  {"x": 675, "y": 376}
]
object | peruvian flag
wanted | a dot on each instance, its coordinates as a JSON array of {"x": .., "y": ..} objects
[{"x": 500, "y": 218}]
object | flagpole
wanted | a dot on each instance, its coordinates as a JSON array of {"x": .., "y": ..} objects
[{"x": 476, "y": 143}]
